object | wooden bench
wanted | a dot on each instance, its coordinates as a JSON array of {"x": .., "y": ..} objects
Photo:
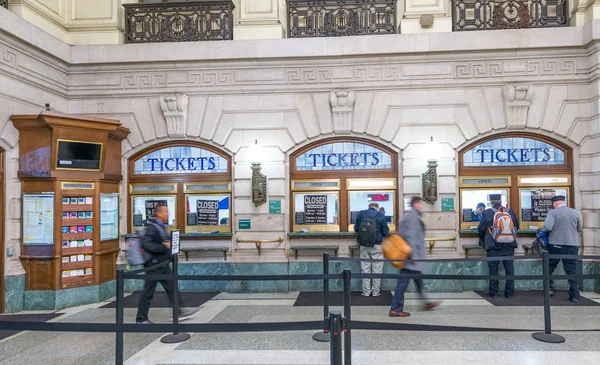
[
  {"x": 471, "y": 247},
  {"x": 352, "y": 249},
  {"x": 187, "y": 250},
  {"x": 297, "y": 248}
]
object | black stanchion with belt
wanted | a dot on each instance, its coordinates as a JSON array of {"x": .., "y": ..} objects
[
  {"x": 547, "y": 335},
  {"x": 120, "y": 315},
  {"x": 324, "y": 336},
  {"x": 175, "y": 337},
  {"x": 335, "y": 333},
  {"x": 347, "y": 277}
]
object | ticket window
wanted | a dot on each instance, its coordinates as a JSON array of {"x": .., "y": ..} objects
[
  {"x": 362, "y": 192},
  {"x": 316, "y": 205},
  {"x": 144, "y": 208},
  {"x": 475, "y": 197},
  {"x": 145, "y": 198},
  {"x": 208, "y": 208},
  {"x": 535, "y": 197}
]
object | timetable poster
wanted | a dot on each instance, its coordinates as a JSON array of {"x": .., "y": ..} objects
[
  {"x": 38, "y": 219},
  {"x": 109, "y": 217},
  {"x": 315, "y": 209},
  {"x": 151, "y": 208},
  {"x": 208, "y": 212},
  {"x": 541, "y": 204}
]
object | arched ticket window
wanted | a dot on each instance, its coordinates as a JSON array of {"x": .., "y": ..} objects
[
  {"x": 193, "y": 179},
  {"x": 333, "y": 179},
  {"x": 525, "y": 168}
]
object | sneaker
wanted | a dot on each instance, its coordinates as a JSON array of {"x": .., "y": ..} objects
[
  {"x": 491, "y": 295},
  {"x": 551, "y": 292},
  {"x": 574, "y": 300},
  {"x": 375, "y": 295},
  {"x": 183, "y": 315},
  {"x": 365, "y": 295},
  {"x": 144, "y": 322}
]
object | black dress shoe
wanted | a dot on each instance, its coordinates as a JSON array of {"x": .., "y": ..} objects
[
  {"x": 492, "y": 295},
  {"x": 574, "y": 300},
  {"x": 508, "y": 296}
]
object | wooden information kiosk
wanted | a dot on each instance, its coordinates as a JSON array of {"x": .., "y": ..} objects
[{"x": 70, "y": 171}]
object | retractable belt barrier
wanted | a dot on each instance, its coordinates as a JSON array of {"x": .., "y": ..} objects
[{"x": 334, "y": 324}]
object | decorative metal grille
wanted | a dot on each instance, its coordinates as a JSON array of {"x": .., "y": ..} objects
[
  {"x": 4, "y": 3},
  {"x": 508, "y": 14},
  {"x": 179, "y": 22},
  {"x": 334, "y": 18}
]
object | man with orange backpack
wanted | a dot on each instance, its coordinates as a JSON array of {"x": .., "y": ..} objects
[{"x": 498, "y": 229}]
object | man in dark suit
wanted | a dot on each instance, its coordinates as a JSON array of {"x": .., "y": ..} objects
[
  {"x": 156, "y": 242},
  {"x": 495, "y": 249}
]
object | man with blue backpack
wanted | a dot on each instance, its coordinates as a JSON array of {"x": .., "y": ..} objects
[
  {"x": 370, "y": 227},
  {"x": 498, "y": 233}
]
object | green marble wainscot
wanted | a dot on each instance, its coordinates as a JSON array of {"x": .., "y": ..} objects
[
  {"x": 266, "y": 286},
  {"x": 14, "y": 292},
  {"x": 107, "y": 290},
  {"x": 39, "y": 300},
  {"x": 212, "y": 269}
]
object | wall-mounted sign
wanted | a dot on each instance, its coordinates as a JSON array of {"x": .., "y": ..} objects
[
  {"x": 343, "y": 156},
  {"x": 447, "y": 204},
  {"x": 175, "y": 235},
  {"x": 244, "y": 224},
  {"x": 38, "y": 219},
  {"x": 514, "y": 151},
  {"x": 180, "y": 160},
  {"x": 274, "y": 206}
]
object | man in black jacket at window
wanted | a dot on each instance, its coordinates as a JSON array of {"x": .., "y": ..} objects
[
  {"x": 156, "y": 242},
  {"x": 495, "y": 249}
]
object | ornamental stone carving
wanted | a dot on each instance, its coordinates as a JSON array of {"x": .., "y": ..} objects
[
  {"x": 174, "y": 109},
  {"x": 518, "y": 99},
  {"x": 342, "y": 105}
]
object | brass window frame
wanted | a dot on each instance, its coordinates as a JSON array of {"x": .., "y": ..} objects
[
  {"x": 153, "y": 192},
  {"x": 539, "y": 224},
  {"x": 392, "y": 226},
  {"x": 133, "y": 196},
  {"x": 467, "y": 225},
  {"x": 317, "y": 188},
  {"x": 204, "y": 229},
  {"x": 315, "y": 227}
]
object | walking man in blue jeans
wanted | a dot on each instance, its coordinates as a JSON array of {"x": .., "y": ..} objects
[
  {"x": 564, "y": 225},
  {"x": 412, "y": 230}
]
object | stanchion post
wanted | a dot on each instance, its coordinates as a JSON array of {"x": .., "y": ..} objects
[
  {"x": 324, "y": 336},
  {"x": 176, "y": 337},
  {"x": 335, "y": 333},
  {"x": 120, "y": 315},
  {"x": 547, "y": 335},
  {"x": 347, "y": 276}
]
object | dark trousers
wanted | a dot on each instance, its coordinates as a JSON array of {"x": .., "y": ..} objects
[
  {"x": 570, "y": 266},
  {"x": 401, "y": 286},
  {"x": 509, "y": 269},
  {"x": 150, "y": 287}
]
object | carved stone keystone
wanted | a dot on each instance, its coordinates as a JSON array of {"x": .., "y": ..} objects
[
  {"x": 518, "y": 99},
  {"x": 174, "y": 109},
  {"x": 342, "y": 106}
]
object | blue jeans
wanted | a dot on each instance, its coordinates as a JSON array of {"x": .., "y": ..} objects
[
  {"x": 401, "y": 286},
  {"x": 570, "y": 266},
  {"x": 509, "y": 269}
]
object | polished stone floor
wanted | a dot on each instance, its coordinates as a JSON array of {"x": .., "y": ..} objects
[{"x": 369, "y": 347}]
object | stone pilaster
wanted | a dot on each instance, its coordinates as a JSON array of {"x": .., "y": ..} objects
[{"x": 259, "y": 19}]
